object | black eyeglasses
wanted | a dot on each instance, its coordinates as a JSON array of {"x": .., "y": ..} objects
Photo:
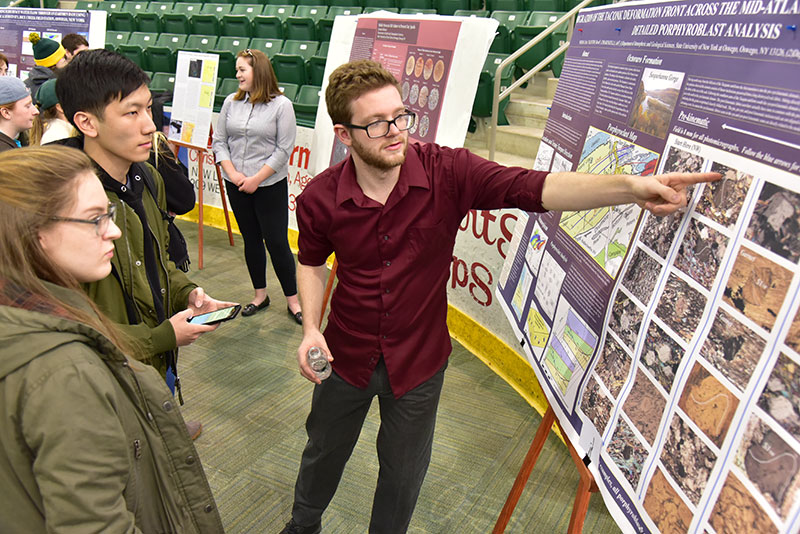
[
  {"x": 381, "y": 128},
  {"x": 100, "y": 222}
]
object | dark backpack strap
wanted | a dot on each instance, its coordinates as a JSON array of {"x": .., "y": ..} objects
[
  {"x": 130, "y": 307},
  {"x": 178, "y": 251}
]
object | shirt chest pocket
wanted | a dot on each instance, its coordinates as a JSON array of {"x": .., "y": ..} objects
[{"x": 428, "y": 241}]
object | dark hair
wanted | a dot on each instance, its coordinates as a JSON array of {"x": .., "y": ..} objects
[
  {"x": 95, "y": 78},
  {"x": 3, "y": 59},
  {"x": 71, "y": 41},
  {"x": 352, "y": 80},
  {"x": 265, "y": 83}
]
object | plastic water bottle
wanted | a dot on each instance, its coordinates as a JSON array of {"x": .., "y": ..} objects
[{"x": 319, "y": 363}]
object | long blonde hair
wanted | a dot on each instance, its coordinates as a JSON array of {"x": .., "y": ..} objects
[
  {"x": 39, "y": 122},
  {"x": 37, "y": 184}
]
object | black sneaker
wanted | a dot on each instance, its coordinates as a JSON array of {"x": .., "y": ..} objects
[{"x": 293, "y": 528}]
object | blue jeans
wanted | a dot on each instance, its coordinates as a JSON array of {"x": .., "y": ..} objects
[{"x": 404, "y": 443}]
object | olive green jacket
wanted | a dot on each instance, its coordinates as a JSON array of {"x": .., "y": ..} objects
[
  {"x": 90, "y": 441},
  {"x": 154, "y": 338}
]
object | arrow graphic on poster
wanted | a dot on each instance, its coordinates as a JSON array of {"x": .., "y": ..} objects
[{"x": 754, "y": 134}]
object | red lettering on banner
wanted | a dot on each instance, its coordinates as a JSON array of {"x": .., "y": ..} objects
[
  {"x": 292, "y": 202},
  {"x": 303, "y": 153},
  {"x": 457, "y": 266},
  {"x": 507, "y": 230},
  {"x": 476, "y": 277}
]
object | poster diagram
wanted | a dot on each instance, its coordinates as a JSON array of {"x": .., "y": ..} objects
[{"x": 669, "y": 347}]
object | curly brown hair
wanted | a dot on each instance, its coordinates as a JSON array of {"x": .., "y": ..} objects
[{"x": 350, "y": 81}]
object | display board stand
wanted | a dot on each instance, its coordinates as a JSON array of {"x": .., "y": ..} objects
[
  {"x": 200, "y": 152},
  {"x": 586, "y": 486}
]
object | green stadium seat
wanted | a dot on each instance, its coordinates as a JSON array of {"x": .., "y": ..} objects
[
  {"x": 417, "y": 11},
  {"x": 202, "y": 43},
  {"x": 471, "y": 13},
  {"x": 109, "y": 5},
  {"x": 205, "y": 24},
  {"x": 305, "y": 105},
  {"x": 373, "y": 9},
  {"x": 149, "y": 74},
  {"x": 301, "y": 28},
  {"x": 304, "y": 49},
  {"x": 323, "y": 49},
  {"x": 289, "y": 90},
  {"x": 175, "y": 23},
  {"x": 371, "y": 4},
  {"x": 315, "y": 12},
  {"x": 121, "y": 21},
  {"x": 289, "y": 68},
  {"x": 449, "y": 7},
  {"x": 173, "y": 41},
  {"x": 148, "y": 21},
  {"x": 335, "y": 11},
  {"x": 233, "y": 44},
  {"x": 87, "y": 5},
  {"x": 160, "y": 59},
  {"x": 282, "y": 11},
  {"x": 142, "y": 39},
  {"x": 267, "y": 27},
  {"x": 162, "y": 82},
  {"x": 506, "y": 5},
  {"x": 227, "y": 63},
  {"x": 236, "y": 26},
  {"x": 268, "y": 46},
  {"x": 216, "y": 9},
  {"x": 133, "y": 52},
  {"x": 134, "y": 7},
  {"x": 160, "y": 7},
  {"x": 482, "y": 106},
  {"x": 508, "y": 21},
  {"x": 315, "y": 69},
  {"x": 225, "y": 86},
  {"x": 248, "y": 10},
  {"x": 188, "y": 8},
  {"x": 345, "y": 3},
  {"x": 414, "y": 4},
  {"x": 545, "y": 5},
  {"x": 114, "y": 39}
]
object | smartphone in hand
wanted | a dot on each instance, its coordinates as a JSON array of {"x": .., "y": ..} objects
[{"x": 217, "y": 316}]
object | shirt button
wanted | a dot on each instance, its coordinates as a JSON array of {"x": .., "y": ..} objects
[
  {"x": 387, "y": 291},
  {"x": 386, "y": 314},
  {"x": 388, "y": 263},
  {"x": 384, "y": 337},
  {"x": 189, "y": 460},
  {"x": 208, "y": 508},
  {"x": 386, "y": 238},
  {"x": 167, "y": 406},
  {"x": 163, "y": 290},
  {"x": 123, "y": 188},
  {"x": 138, "y": 263}
]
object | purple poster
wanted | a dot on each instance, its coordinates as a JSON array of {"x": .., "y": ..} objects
[{"x": 669, "y": 348}]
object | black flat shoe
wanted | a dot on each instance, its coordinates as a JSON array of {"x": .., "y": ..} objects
[
  {"x": 251, "y": 309},
  {"x": 298, "y": 317}
]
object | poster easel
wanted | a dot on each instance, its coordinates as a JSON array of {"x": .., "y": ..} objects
[
  {"x": 586, "y": 486},
  {"x": 201, "y": 151}
]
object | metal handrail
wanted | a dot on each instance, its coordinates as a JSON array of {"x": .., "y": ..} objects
[{"x": 497, "y": 95}]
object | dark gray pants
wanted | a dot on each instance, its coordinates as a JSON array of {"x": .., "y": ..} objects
[{"x": 404, "y": 447}]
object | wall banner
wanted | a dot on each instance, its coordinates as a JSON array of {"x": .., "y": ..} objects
[{"x": 669, "y": 348}]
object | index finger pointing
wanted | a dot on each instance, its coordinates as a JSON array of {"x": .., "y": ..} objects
[{"x": 689, "y": 178}]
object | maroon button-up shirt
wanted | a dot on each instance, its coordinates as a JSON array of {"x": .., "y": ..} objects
[{"x": 394, "y": 259}]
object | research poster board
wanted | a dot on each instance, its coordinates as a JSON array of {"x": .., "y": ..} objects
[
  {"x": 193, "y": 98},
  {"x": 669, "y": 348},
  {"x": 17, "y": 23},
  {"x": 437, "y": 61}
]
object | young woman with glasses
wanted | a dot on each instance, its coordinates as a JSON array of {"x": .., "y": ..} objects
[
  {"x": 253, "y": 141},
  {"x": 83, "y": 427}
]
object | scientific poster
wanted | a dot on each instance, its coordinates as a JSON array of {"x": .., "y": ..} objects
[
  {"x": 669, "y": 348},
  {"x": 193, "y": 98}
]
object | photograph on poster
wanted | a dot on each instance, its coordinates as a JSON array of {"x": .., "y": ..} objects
[
  {"x": 679, "y": 160},
  {"x": 681, "y": 307},
  {"x": 665, "y": 506},
  {"x": 757, "y": 287},
  {"x": 626, "y": 320},
  {"x": 722, "y": 201},
  {"x": 596, "y": 405},
  {"x": 613, "y": 366},
  {"x": 771, "y": 465},
  {"x": 655, "y": 101},
  {"x": 627, "y": 452},
  {"x": 708, "y": 404},
  {"x": 733, "y": 349},
  {"x": 793, "y": 336},
  {"x": 687, "y": 459},
  {"x": 775, "y": 223},
  {"x": 662, "y": 355},
  {"x": 644, "y": 406},
  {"x": 701, "y": 252},
  {"x": 660, "y": 232},
  {"x": 737, "y": 511},
  {"x": 569, "y": 350},
  {"x": 642, "y": 275},
  {"x": 781, "y": 395}
]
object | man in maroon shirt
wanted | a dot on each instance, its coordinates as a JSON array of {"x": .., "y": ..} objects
[{"x": 391, "y": 212}]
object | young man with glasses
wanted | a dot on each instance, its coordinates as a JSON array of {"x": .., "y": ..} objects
[
  {"x": 105, "y": 96},
  {"x": 391, "y": 212}
]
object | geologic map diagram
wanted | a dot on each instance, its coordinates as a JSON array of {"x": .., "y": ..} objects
[{"x": 606, "y": 233}]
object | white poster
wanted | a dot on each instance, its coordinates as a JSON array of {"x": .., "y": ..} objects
[{"x": 193, "y": 98}]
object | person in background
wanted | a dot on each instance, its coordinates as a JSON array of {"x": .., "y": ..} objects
[
  {"x": 391, "y": 212},
  {"x": 50, "y": 124},
  {"x": 84, "y": 426},
  {"x": 105, "y": 96},
  {"x": 3, "y": 65},
  {"x": 49, "y": 57},
  {"x": 74, "y": 44},
  {"x": 17, "y": 111},
  {"x": 253, "y": 140}
]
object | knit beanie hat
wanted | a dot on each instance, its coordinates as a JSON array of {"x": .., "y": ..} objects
[
  {"x": 46, "y": 52},
  {"x": 46, "y": 95},
  {"x": 12, "y": 89}
]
